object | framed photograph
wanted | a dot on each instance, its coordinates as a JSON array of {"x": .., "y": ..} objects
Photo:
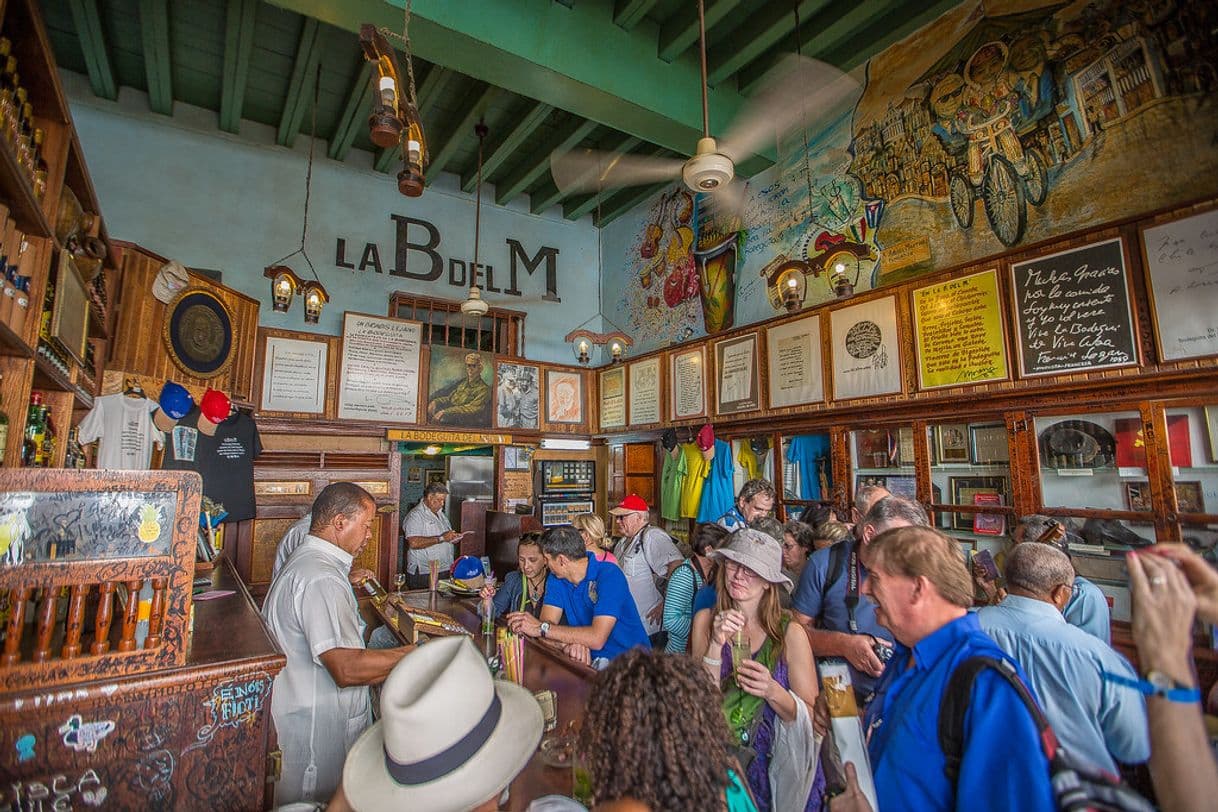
[
  {"x": 964, "y": 490},
  {"x": 866, "y": 349},
  {"x": 736, "y": 366},
  {"x": 517, "y": 458},
  {"x": 905, "y": 445},
  {"x": 687, "y": 374},
  {"x": 988, "y": 524},
  {"x": 564, "y": 396},
  {"x": 1183, "y": 296},
  {"x": 988, "y": 444},
  {"x": 459, "y": 387},
  {"x": 874, "y": 448},
  {"x": 1189, "y": 497},
  {"x": 643, "y": 394},
  {"x": 793, "y": 355},
  {"x": 951, "y": 443},
  {"x": 1137, "y": 496},
  {"x": 435, "y": 477},
  {"x": 613, "y": 397},
  {"x": 414, "y": 475},
  {"x": 517, "y": 396}
]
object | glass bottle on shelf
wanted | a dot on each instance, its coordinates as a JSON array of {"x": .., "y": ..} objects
[
  {"x": 8, "y": 91},
  {"x": 41, "y": 170},
  {"x": 3, "y": 425},
  {"x": 16, "y": 119},
  {"x": 33, "y": 430},
  {"x": 25, "y": 141},
  {"x": 45, "y": 452}
]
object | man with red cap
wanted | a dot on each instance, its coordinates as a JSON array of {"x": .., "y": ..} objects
[{"x": 647, "y": 556}]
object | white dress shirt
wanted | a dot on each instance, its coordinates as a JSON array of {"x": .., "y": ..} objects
[
  {"x": 421, "y": 521},
  {"x": 310, "y": 609}
]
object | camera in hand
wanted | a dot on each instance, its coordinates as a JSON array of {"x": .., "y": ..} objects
[{"x": 882, "y": 651}]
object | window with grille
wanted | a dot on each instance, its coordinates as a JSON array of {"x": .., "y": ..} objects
[{"x": 500, "y": 331}]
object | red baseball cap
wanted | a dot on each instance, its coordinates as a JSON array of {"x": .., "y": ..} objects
[
  {"x": 631, "y": 504},
  {"x": 215, "y": 405}
]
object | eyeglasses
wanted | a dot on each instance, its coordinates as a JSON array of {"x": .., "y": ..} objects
[{"x": 733, "y": 567}]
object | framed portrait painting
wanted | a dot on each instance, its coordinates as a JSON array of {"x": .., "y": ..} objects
[
  {"x": 564, "y": 396},
  {"x": 459, "y": 387}
]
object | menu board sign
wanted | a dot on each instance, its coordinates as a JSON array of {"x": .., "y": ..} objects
[
  {"x": 379, "y": 379},
  {"x": 613, "y": 398},
  {"x": 958, "y": 329},
  {"x": 1182, "y": 258},
  {"x": 1072, "y": 311}
]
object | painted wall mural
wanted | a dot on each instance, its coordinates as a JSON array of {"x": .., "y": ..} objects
[{"x": 998, "y": 125}]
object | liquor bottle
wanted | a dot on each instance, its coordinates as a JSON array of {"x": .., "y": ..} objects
[
  {"x": 3, "y": 426},
  {"x": 44, "y": 455},
  {"x": 41, "y": 170},
  {"x": 33, "y": 430}
]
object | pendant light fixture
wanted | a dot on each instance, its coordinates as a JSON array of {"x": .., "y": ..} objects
[
  {"x": 395, "y": 117},
  {"x": 475, "y": 305},
  {"x": 284, "y": 281},
  {"x": 581, "y": 339}
]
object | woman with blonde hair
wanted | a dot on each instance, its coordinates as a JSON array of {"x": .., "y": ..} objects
[
  {"x": 592, "y": 528},
  {"x": 762, "y": 663}
]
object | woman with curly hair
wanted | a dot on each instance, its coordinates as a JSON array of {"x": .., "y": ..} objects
[
  {"x": 639, "y": 744},
  {"x": 762, "y": 663}
]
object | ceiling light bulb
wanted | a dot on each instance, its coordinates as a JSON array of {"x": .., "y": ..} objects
[{"x": 389, "y": 91}]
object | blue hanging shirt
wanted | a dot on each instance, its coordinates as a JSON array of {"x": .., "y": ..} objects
[
  {"x": 718, "y": 492},
  {"x": 806, "y": 451}
]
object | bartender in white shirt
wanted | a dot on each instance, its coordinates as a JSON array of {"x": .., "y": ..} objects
[
  {"x": 320, "y": 700},
  {"x": 429, "y": 536}
]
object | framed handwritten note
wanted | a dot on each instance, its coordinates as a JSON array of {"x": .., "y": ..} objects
[
  {"x": 613, "y": 397},
  {"x": 688, "y": 376},
  {"x": 1182, "y": 263},
  {"x": 1072, "y": 311},
  {"x": 736, "y": 363},
  {"x": 294, "y": 376},
  {"x": 958, "y": 332},
  {"x": 794, "y": 356},
  {"x": 379, "y": 376},
  {"x": 644, "y": 393}
]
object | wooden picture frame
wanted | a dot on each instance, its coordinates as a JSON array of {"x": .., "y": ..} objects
[
  {"x": 564, "y": 396},
  {"x": 737, "y": 378},
  {"x": 988, "y": 444},
  {"x": 70, "y": 311},
  {"x": 1190, "y": 497},
  {"x": 962, "y": 490},
  {"x": 1137, "y": 496},
  {"x": 645, "y": 392},
  {"x": 612, "y": 394},
  {"x": 1183, "y": 330},
  {"x": 871, "y": 448},
  {"x": 1211, "y": 430},
  {"x": 687, "y": 383},
  {"x": 414, "y": 475},
  {"x": 952, "y": 443}
]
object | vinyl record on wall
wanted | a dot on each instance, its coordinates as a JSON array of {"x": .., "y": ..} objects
[{"x": 199, "y": 333}]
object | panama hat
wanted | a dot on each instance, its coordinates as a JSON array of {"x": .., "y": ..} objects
[
  {"x": 450, "y": 737},
  {"x": 759, "y": 552}
]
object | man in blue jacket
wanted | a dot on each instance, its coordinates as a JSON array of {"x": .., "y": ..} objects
[{"x": 921, "y": 589}]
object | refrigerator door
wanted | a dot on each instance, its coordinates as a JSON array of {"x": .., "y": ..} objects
[{"x": 469, "y": 478}]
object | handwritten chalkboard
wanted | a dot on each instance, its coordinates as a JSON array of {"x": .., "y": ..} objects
[
  {"x": 85, "y": 526},
  {"x": 1182, "y": 258},
  {"x": 1072, "y": 311}
]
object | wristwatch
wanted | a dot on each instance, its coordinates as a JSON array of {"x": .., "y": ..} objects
[
  {"x": 1156, "y": 683},
  {"x": 545, "y": 628}
]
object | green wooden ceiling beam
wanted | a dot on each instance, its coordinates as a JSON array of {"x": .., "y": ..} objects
[
  {"x": 359, "y": 102},
  {"x": 577, "y": 207},
  {"x": 300, "y": 87},
  {"x": 548, "y": 194},
  {"x": 629, "y": 13},
  {"x": 93, "y": 47},
  {"x": 387, "y": 158},
  {"x": 680, "y": 31},
  {"x": 154, "y": 33},
  {"x": 541, "y": 50},
  {"x": 527, "y": 171},
  {"x": 757, "y": 35},
  {"x": 239, "y": 23},
  {"x": 505, "y": 146},
  {"x": 474, "y": 104},
  {"x": 821, "y": 33},
  {"x": 625, "y": 200},
  {"x": 906, "y": 19}
]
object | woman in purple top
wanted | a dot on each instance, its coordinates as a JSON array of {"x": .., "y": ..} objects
[
  {"x": 761, "y": 661},
  {"x": 592, "y": 528}
]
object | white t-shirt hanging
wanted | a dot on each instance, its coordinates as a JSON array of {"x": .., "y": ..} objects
[{"x": 124, "y": 426}]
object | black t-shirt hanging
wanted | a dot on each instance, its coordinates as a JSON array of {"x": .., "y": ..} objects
[{"x": 224, "y": 460}]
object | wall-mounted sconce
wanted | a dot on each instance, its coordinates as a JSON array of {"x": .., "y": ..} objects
[
  {"x": 394, "y": 121},
  {"x": 284, "y": 285},
  {"x": 583, "y": 340},
  {"x": 315, "y": 298}
]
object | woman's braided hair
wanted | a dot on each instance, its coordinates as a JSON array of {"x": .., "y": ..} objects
[{"x": 654, "y": 732}]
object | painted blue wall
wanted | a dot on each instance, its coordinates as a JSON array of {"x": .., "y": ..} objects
[{"x": 183, "y": 189}]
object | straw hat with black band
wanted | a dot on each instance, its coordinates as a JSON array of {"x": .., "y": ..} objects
[
  {"x": 450, "y": 737},
  {"x": 759, "y": 552}
]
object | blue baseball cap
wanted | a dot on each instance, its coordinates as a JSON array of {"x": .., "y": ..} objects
[
  {"x": 467, "y": 567},
  {"x": 175, "y": 400}
]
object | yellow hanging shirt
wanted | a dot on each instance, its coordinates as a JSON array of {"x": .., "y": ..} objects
[{"x": 696, "y": 469}]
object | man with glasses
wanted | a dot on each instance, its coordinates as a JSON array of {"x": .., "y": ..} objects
[
  {"x": 647, "y": 556},
  {"x": 429, "y": 537},
  {"x": 755, "y": 500},
  {"x": 468, "y": 403},
  {"x": 1098, "y": 721}
]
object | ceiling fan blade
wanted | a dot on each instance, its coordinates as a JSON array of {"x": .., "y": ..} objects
[
  {"x": 588, "y": 170},
  {"x": 798, "y": 92},
  {"x": 725, "y": 205}
]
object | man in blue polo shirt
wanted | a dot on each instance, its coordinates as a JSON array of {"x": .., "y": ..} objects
[
  {"x": 830, "y": 603},
  {"x": 591, "y": 598},
  {"x": 922, "y": 591}
]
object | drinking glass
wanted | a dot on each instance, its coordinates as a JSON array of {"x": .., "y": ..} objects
[
  {"x": 740, "y": 650},
  {"x": 581, "y": 782},
  {"x": 433, "y": 575},
  {"x": 399, "y": 581},
  {"x": 488, "y": 609}
]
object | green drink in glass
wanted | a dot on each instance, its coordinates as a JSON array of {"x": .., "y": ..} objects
[{"x": 740, "y": 650}]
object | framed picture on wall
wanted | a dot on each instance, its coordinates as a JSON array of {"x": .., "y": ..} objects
[
  {"x": 964, "y": 490},
  {"x": 1183, "y": 300},
  {"x": 1211, "y": 430},
  {"x": 643, "y": 394},
  {"x": 613, "y": 397},
  {"x": 414, "y": 475},
  {"x": 517, "y": 396},
  {"x": 793, "y": 354},
  {"x": 435, "y": 477},
  {"x": 866, "y": 349},
  {"x": 687, "y": 374},
  {"x": 988, "y": 444},
  {"x": 564, "y": 396},
  {"x": 1137, "y": 496},
  {"x": 951, "y": 443},
  {"x": 1189, "y": 497},
  {"x": 736, "y": 367}
]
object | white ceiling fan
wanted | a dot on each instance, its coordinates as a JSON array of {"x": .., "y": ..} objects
[{"x": 796, "y": 92}]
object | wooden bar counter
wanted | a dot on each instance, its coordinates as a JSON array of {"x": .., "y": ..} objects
[
  {"x": 190, "y": 737},
  {"x": 544, "y": 668}
]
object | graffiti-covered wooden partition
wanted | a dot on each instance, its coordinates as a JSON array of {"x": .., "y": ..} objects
[{"x": 118, "y": 688}]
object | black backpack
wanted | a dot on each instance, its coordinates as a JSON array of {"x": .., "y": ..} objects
[{"x": 1075, "y": 788}]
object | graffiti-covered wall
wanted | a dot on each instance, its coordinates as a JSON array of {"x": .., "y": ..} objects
[{"x": 1000, "y": 124}]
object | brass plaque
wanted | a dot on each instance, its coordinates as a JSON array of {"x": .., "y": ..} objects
[
  {"x": 275, "y": 488},
  {"x": 374, "y": 487}
]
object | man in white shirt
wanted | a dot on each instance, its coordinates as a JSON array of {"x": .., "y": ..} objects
[
  {"x": 429, "y": 536},
  {"x": 647, "y": 557},
  {"x": 294, "y": 537},
  {"x": 320, "y": 700}
]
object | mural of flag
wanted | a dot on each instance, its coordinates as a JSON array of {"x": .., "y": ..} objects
[{"x": 873, "y": 209}]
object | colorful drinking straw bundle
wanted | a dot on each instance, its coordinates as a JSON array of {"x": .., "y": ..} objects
[{"x": 511, "y": 655}]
